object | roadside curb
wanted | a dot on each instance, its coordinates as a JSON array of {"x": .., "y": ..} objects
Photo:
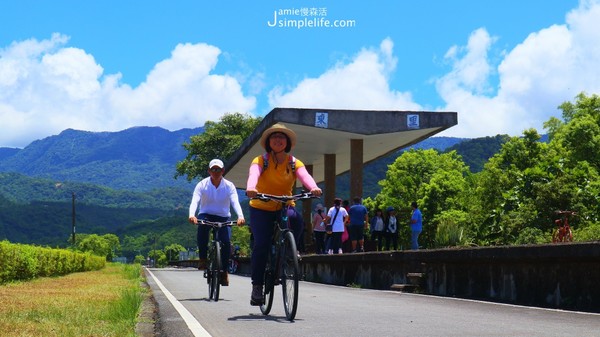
[{"x": 147, "y": 320}]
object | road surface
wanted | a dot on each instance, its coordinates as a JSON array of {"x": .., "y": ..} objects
[{"x": 326, "y": 310}]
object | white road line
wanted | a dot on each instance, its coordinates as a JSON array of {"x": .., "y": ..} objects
[{"x": 197, "y": 329}]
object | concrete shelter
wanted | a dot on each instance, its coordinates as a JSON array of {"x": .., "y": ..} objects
[{"x": 332, "y": 142}]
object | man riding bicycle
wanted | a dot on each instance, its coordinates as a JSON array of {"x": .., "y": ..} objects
[{"x": 215, "y": 195}]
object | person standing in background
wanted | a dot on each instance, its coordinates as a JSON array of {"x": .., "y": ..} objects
[
  {"x": 377, "y": 229},
  {"x": 416, "y": 225},
  {"x": 319, "y": 229},
  {"x": 359, "y": 219},
  {"x": 336, "y": 220},
  {"x": 391, "y": 226}
]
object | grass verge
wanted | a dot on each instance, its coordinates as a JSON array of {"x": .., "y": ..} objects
[{"x": 96, "y": 303}]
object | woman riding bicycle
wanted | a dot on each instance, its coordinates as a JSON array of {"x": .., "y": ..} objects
[
  {"x": 215, "y": 194},
  {"x": 274, "y": 172}
]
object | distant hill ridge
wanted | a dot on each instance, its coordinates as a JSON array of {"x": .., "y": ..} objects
[{"x": 137, "y": 159}]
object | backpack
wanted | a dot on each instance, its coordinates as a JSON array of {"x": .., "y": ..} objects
[{"x": 265, "y": 158}]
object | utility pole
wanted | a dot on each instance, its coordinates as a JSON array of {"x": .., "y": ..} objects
[{"x": 73, "y": 219}]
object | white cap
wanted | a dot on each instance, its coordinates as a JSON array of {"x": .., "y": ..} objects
[{"x": 216, "y": 162}]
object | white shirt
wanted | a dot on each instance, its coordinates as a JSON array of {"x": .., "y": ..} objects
[
  {"x": 392, "y": 224},
  {"x": 338, "y": 225},
  {"x": 215, "y": 200}
]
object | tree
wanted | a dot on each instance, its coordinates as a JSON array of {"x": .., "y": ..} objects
[
  {"x": 172, "y": 251},
  {"x": 436, "y": 181},
  {"x": 95, "y": 244},
  {"x": 114, "y": 245},
  {"x": 527, "y": 181},
  {"x": 506, "y": 189},
  {"x": 219, "y": 140}
]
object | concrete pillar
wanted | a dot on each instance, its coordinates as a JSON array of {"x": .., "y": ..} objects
[
  {"x": 329, "y": 175},
  {"x": 356, "y": 168}
]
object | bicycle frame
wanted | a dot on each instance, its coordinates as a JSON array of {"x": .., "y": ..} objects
[
  {"x": 563, "y": 233},
  {"x": 214, "y": 268}
]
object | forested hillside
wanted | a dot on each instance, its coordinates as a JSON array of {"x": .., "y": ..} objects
[
  {"x": 476, "y": 152},
  {"x": 136, "y": 159}
]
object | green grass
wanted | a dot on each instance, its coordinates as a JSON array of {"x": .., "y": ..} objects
[{"x": 96, "y": 303}]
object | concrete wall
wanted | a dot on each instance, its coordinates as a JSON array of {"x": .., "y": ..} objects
[{"x": 565, "y": 276}]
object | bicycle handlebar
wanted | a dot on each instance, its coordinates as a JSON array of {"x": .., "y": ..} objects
[
  {"x": 284, "y": 198},
  {"x": 216, "y": 224},
  {"x": 566, "y": 212}
]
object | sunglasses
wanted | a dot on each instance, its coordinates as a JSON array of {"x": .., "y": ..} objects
[{"x": 216, "y": 169}]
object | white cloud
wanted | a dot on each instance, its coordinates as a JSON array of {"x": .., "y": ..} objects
[
  {"x": 360, "y": 84},
  {"x": 46, "y": 87},
  {"x": 548, "y": 68},
  {"x": 523, "y": 91}
]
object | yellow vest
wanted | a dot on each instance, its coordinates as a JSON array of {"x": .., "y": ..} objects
[{"x": 276, "y": 179}]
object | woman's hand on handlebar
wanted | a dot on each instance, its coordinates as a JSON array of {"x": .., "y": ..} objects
[
  {"x": 316, "y": 192},
  {"x": 251, "y": 193},
  {"x": 241, "y": 221},
  {"x": 193, "y": 220}
]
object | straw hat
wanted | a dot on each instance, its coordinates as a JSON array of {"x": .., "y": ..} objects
[{"x": 277, "y": 127}]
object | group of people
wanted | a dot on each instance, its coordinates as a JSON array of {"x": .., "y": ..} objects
[
  {"x": 275, "y": 172},
  {"x": 340, "y": 223},
  {"x": 330, "y": 226}
]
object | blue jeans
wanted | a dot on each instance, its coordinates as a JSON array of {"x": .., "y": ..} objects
[
  {"x": 261, "y": 225},
  {"x": 414, "y": 240},
  {"x": 224, "y": 236}
]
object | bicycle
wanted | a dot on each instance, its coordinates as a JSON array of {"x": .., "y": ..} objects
[
  {"x": 563, "y": 233},
  {"x": 282, "y": 262},
  {"x": 214, "y": 268}
]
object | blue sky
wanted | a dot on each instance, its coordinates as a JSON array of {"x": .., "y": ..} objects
[{"x": 504, "y": 66}]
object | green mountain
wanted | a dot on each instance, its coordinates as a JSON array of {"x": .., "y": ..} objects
[
  {"x": 118, "y": 179},
  {"x": 476, "y": 152},
  {"x": 136, "y": 159}
]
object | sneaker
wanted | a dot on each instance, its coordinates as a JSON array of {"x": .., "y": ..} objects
[
  {"x": 202, "y": 264},
  {"x": 330, "y": 252},
  {"x": 257, "y": 295},
  {"x": 225, "y": 279},
  {"x": 340, "y": 251}
]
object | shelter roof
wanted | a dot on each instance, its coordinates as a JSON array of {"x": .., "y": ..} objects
[{"x": 328, "y": 131}]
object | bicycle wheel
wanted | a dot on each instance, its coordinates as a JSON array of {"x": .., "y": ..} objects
[
  {"x": 214, "y": 267},
  {"x": 568, "y": 235},
  {"x": 555, "y": 236},
  {"x": 290, "y": 275},
  {"x": 268, "y": 287}
]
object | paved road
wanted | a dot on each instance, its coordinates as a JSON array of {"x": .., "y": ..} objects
[{"x": 326, "y": 310}]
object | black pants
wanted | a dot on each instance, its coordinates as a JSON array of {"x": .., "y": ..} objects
[
  {"x": 320, "y": 242},
  {"x": 391, "y": 240},
  {"x": 377, "y": 236}
]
